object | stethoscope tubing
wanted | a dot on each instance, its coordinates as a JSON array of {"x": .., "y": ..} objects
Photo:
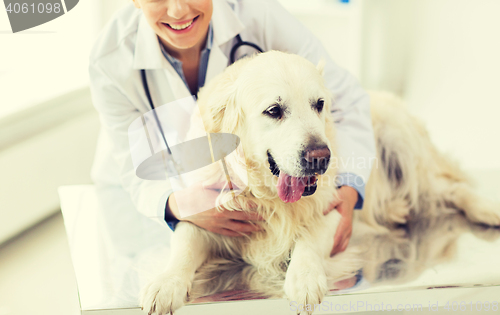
[
  {"x": 238, "y": 45},
  {"x": 150, "y": 100}
]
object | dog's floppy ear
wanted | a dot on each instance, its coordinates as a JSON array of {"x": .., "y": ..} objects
[
  {"x": 217, "y": 101},
  {"x": 224, "y": 114},
  {"x": 321, "y": 66}
]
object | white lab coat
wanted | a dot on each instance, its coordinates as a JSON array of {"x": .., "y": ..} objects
[{"x": 128, "y": 44}]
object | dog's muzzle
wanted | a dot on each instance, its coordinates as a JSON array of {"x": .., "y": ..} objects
[{"x": 309, "y": 181}]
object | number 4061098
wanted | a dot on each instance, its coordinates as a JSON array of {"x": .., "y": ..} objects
[
  {"x": 34, "y": 8},
  {"x": 478, "y": 306}
]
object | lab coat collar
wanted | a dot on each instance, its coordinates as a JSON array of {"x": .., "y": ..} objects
[
  {"x": 226, "y": 26},
  {"x": 226, "y": 23},
  {"x": 148, "y": 55}
]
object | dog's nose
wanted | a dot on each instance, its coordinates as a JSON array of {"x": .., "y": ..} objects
[{"x": 316, "y": 159}]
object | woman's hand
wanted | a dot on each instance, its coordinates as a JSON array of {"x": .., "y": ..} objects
[
  {"x": 348, "y": 197},
  {"x": 226, "y": 222}
]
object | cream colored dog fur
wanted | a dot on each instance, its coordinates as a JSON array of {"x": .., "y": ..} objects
[{"x": 410, "y": 179}]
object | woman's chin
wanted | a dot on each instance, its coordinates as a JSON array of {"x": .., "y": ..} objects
[{"x": 179, "y": 43}]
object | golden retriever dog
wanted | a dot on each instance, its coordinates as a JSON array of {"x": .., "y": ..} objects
[{"x": 279, "y": 107}]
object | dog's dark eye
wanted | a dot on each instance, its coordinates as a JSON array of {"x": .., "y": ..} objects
[
  {"x": 319, "y": 105},
  {"x": 274, "y": 112}
]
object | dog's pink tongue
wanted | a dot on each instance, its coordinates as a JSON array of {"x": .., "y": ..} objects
[{"x": 290, "y": 189}]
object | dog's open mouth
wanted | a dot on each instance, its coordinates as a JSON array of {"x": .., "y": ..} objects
[{"x": 291, "y": 189}]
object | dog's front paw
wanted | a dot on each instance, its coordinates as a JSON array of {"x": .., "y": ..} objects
[
  {"x": 485, "y": 212},
  {"x": 165, "y": 295},
  {"x": 305, "y": 287}
]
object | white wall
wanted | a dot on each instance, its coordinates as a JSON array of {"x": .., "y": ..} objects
[
  {"x": 337, "y": 25},
  {"x": 447, "y": 68},
  {"x": 388, "y": 36},
  {"x": 48, "y": 130},
  {"x": 47, "y": 61},
  {"x": 43, "y": 158},
  {"x": 108, "y": 8},
  {"x": 454, "y": 77}
]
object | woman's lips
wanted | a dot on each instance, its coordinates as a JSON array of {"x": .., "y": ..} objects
[{"x": 181, "y": 27}]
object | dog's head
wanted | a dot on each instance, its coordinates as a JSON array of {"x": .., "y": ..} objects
[{"x": 277, "y": 103}]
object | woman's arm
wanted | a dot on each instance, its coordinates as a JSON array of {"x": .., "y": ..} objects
[
  {"x": 116, "y": 114},
  {"x": 150, "y": 197}
]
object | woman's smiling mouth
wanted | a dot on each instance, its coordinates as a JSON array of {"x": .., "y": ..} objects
[{"x": 181, "y": 27}]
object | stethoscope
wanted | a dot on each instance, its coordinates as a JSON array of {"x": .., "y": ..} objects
[
  {"x": 239, "y": 44},
  {"x": 232, "y": 58}
]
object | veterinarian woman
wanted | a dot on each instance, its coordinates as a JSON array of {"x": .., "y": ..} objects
[{"x": 182, "y": 44}]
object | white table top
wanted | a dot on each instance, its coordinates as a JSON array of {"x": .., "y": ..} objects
[{"x": 115, "y": 252}]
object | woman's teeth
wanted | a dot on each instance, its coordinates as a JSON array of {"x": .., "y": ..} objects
[{"x": 182, "y": 26}]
